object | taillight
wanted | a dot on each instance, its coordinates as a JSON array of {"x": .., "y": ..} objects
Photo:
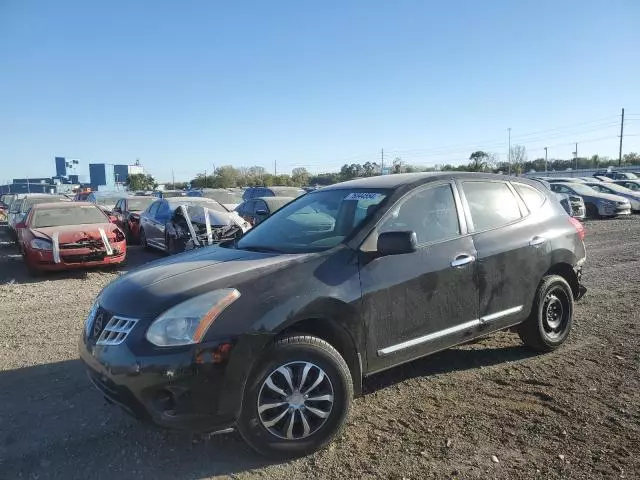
[
  {"x": 578, "y": 226},
  {"x": 134, "y": 217}
]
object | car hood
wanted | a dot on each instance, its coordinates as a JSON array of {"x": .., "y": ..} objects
[
  {"x": 150, "y": 290},
  {"x": 76, "y": 233}
]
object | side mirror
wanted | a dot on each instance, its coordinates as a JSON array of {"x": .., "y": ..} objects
[
  {"x": 113, "y": 219},
  {"x": 261, "y": 213},
  {"x": 397, "y": 243},
  {"x": 21, "y": 225},
  {"x": 116, "y": 210}
]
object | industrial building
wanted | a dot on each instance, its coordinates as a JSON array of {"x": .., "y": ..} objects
[{"x": 74, "y": 173}]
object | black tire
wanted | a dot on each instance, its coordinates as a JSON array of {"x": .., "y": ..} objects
[
  {"x": 294, "y": 353},
  {"x": 143, "y": 240},
  {"x": 549, "y": 323},
  {"x": 591, "y": 211}
]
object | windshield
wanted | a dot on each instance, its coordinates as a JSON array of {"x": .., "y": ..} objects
[
  {"x": 287, "y": 191},
  {"x": 30, "y": 202},
  {"x": 582, "y": 189},
  {"x": 613, "y": 187},
  {"x": 315, "y": 222},
  {"x": 139, "y": 203},
  {"x": 106, "y": 201},
  {"x": 168, "y": 194},
  {"x": 57, "y": 217},
  {"x": 222, "y": 196},
  {"x": 195, "y": 201}
]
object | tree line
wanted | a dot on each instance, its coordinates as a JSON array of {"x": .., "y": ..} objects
[{"x": 228, "y": 176}]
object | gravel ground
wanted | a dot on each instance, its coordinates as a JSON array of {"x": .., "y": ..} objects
[{"x": 491, "y": 409}]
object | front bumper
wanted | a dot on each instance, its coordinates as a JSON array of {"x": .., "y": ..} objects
[
  {"x": 613, "y": 211},
  {"x": 75, "y": 258},
  {"x": 182, "y": 389}
]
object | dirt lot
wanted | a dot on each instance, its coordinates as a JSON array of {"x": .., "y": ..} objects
[{"x": 487, "y": 410}]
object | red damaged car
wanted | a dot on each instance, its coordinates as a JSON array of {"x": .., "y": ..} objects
[{"x": 62, "y": 236}]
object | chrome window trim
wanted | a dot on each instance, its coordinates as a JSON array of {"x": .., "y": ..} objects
[{"x": 448, "y": 331}]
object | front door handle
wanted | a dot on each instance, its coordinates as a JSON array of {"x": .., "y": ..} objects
[
  {"x": 535, "y": 241},
  {"x": 462, "y": 260}
]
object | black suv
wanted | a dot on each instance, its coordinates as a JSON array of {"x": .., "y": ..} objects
[{"x": 272, "y": 333}]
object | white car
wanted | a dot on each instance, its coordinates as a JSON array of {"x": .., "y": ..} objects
[{"x": 615, "y": 189}]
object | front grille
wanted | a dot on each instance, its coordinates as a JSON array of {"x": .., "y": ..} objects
[
  {"x": 91, "y": 257},
  {"x": 116, "y": 330},
  {"x": 105, "y": 329}
]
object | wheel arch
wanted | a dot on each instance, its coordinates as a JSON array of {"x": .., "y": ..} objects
[
  {"x": 567, "y": 272},
  {"x": 337, "y": 336}
]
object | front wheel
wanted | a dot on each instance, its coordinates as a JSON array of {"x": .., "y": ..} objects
[
  {"x": 297, "y": 398},
  {"x": 143, "y": 240},
  {"x": 551, "y": 317}
]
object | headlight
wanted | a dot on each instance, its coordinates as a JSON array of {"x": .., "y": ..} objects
[
  {"x": 188, "y": 322},
  {"x": 89, "y": 320},
  {"x": 40, "y": 244}
]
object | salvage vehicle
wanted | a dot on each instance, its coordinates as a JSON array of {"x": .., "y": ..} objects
[
  {"x": 168, "y": 193},
  {"x": 616, "y": 175},
  {"x": 619, "y": 190},
  {"x": 272, "y": 334},
  {"x": 597, "y": 204},
  {"x": 230, "y": 199},
  {"x": 259, "y": 192},
  {"x": 167, "y": 225},
  {"x": 258, "y": 209},
  {"x": 126, "y": 213},
  {"x": 71, "y": 235}
]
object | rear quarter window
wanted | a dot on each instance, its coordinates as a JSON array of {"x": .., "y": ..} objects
[
  {"x": 492, "y": 204},
  {"x": 531, "y": 196}
]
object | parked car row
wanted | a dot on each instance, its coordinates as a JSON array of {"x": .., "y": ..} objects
[{"x": 602, "y": 197}]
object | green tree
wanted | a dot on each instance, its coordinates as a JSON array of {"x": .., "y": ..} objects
[
  {"x": 140, "y": 181},
  {"x": 632, "y": 158},
  {"x": 479, "y": 161}
]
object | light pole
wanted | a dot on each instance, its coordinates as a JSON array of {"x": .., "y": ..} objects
[
  {"x": 509, "y": 150},
  {"x": 545, "y": 159}
]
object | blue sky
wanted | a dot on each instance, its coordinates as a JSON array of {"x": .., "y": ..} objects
[{"x": 189, "y": 85}]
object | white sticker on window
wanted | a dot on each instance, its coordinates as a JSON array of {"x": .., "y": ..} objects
[{"x": 363, "y": 196}]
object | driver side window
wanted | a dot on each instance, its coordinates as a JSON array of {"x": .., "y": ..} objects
[{"x": 430, "y": 212}]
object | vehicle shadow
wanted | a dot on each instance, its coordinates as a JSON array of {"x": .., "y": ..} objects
[
  {"x": 55, "y": 424},
  {"x": 478, "y": 354}
]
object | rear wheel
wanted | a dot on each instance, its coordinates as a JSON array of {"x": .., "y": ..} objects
[
  {"x": 297, "y": 398},
  {"x": 551, "y": 317}
]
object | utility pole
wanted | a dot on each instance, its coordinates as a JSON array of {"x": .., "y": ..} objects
[
  {"x": 621, "y": 133},
  {"x": 173, "y": 179},
  {"x": 509, "y": 150},
  {"x": 275, "y": 168},
  {"x": 545, "y": 159},
  {"x": 205, "y": 179},
  {"x": 576, "y": 154},
  {"x": 382, "y": 162}
]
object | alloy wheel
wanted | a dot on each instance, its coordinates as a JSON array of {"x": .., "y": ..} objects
[{"x": 295, "y": 400}]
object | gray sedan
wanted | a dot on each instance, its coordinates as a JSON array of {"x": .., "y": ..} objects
[
  {"x": 615, "y": 189},
  {"x": 597, "y": 204}
]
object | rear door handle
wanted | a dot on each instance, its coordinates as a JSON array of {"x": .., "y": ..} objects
[
  {"x": 535, "y": 241},
  {"x": 462, "y": 260}
]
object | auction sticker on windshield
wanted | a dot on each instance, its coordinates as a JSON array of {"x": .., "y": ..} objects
[{"x": 363, "y": 196}]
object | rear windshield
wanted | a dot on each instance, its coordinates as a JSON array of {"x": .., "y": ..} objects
[
  {"x": 139, "y": 204},
  {"x": 57, "y": 217},
  {"x": 287, "y": 191},
  {"x": 172, "y": 194}
]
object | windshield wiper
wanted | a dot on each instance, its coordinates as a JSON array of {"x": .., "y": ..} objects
[{"x": 260, "y": 249}]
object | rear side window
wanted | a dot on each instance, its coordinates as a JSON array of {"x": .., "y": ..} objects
[
  {"x": 492, "y": 204},
  {"x": 531, "y": 197}
]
